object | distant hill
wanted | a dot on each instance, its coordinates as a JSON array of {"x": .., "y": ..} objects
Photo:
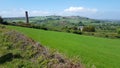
[
  {"x": 62, "y": 22},
  {"x": 69, "y": 19}
]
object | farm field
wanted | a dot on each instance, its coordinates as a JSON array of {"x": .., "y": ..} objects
[{"x": 92, "y": 51}]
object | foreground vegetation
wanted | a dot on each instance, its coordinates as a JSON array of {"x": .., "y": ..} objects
[
  {"x": 19, "y": 51},
  {"x": 92, "y": 51}
]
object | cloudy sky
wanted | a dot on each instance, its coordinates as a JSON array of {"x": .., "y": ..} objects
[{"x": 99, "y": 9}]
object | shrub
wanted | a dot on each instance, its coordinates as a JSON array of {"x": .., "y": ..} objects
[
  {"x": 89, "y": 28},
  {"x": 118, "y": 31},
  {"x": 77, "y": 32}
]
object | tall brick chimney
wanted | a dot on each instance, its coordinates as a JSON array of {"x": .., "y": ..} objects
[{"x": 27, "y": 18}]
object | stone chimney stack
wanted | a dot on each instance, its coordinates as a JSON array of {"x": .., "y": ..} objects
[{"x": 27, "y": 18}]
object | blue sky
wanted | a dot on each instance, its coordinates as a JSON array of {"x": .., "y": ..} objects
[{"x": 99, "y": 9}]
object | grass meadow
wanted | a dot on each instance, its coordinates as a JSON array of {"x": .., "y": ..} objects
[{"x": 94, "y": 52}]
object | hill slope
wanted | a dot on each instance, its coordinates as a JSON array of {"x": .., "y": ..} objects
[
  {"x": 93, "y": 51},
  {"x": 19, "y": 51}
]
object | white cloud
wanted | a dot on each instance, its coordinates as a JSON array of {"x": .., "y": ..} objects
[
  {"x": 12, "y": 13},
  {"x": 38, "y": 13},
  {"x": 21, "y": 13},
  {"x": 80, "y": 9}
]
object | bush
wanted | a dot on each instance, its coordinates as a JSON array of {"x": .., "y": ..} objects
[
  {"x": 77, "y": 32},
  {"x": 89, "y": 28},
  {"x": 118, "y": 31}
]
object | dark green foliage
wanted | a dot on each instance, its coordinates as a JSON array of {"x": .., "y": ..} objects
[
  {"x": 80, "y": 24},
  {"x": 74, "y": 28},
  {"x": 1, "y": 19},
  {"x": 118, "y": 31},
  {"x": 89, "y": 28},
  {"x": 77, "y": 32},
  {"x": 96, "y": 21},
  {"x": 3, "y": 22},
  {"x": 8, "y": 57}
]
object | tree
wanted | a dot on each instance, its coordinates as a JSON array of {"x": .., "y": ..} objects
[
  {"x": 118, "y": 31},
  {"x": 1, "y": 19},
  {"x": 2, "y": 22},
  {"x": 89, "y": 28},
  {"x": 80, "y": 24}
]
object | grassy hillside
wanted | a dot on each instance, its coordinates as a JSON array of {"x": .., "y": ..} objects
[
  {"x": 93, "y": 51},
  {"x": 19, "y": 51}
]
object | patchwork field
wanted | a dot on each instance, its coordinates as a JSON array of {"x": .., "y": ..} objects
[{"x": 92, "y": 51}]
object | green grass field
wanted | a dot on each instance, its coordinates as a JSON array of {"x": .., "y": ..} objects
[{"x": 93, "y": 51}]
